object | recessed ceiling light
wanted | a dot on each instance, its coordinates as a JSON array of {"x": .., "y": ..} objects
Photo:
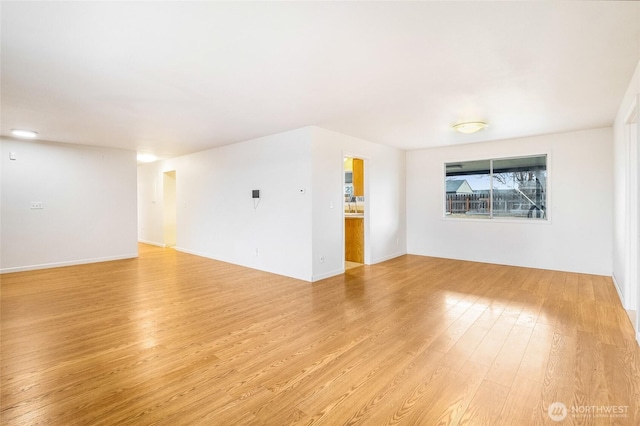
[
  {"x": 147, "y": 158},
  {"x": 21, "y": 133},
  {"x": 470, "y": 126}
]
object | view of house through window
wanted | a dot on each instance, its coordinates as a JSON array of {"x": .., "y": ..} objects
[{"x": 497, "y": 188}]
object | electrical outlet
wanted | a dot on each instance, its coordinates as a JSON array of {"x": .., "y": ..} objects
[
  {"x": 321, "y": 259},
  {"x": 36, "y": 205},
  {"x": 256, "y": 251}
]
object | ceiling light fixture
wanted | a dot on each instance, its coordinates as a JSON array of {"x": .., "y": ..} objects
[
  {"x": 147, "y": 158},
  {"x": 470, "y": 127},
  {"x": 21, "y": 133}
]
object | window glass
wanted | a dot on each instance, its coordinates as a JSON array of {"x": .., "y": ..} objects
[
  {"x": 468, "y": 189},
  {"x": 519, "y": 187},
  {"x": 500, "y": 188}
]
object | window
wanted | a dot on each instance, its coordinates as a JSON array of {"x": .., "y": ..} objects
[{"x": 497, "y": 188}]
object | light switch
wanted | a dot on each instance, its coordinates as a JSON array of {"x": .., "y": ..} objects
[{"x": 12, "y": 156}]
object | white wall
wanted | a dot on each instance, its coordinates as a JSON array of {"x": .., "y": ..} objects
[
  {"x": 89, "y": 197},
  {"x": 577, "y": 236},
  {"x": 151, "y": 202},
  {"x": 169, "y": 208},
  {"x": 625, "y": 207},
  {"x": 300, "y": 176},
  {"x": 385, "y": 223},
  {"x": 216, "y": 217}
]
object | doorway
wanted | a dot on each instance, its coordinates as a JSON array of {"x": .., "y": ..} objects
[
  {"x": 169, "y": 208},
  {"x": 354, "y": 212}
]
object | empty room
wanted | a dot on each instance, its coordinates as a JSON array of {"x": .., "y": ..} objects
[{"x": 283, "y": 213}]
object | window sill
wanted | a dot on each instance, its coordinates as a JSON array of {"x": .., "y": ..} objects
[{"x": 525, "y": 220}]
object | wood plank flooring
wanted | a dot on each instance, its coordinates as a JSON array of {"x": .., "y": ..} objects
[{"x": 171, "y": 338}]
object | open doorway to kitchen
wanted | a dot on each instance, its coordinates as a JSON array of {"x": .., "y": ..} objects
[
  {"x": 169, "y": 208},
  {"x": 354, "y": 212}
]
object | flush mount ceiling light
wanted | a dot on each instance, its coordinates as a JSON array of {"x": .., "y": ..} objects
[
  {"x": 147, "y": 158},
  {"x": 22, "y": 133},
  {"x": 470, "y": 126}
]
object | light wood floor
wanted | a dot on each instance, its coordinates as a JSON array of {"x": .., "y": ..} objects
[
  {"x": 350, "y": 265},
  {"x": 171, "y": 338}
]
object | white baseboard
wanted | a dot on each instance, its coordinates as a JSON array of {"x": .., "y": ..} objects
[
  {"x": 327, "y": 275},
  {"x": 617, "y": 286},
  {"x": 621, "y": 297},
  {"x": 341, "y": 271},
  {"x": 385, "y": 258},
  {"x": 67, "y": 263},
  {"x": 208, "y": 256},
  {"x": 152, "y": 243},
  {"x": 314, "y": 278}
]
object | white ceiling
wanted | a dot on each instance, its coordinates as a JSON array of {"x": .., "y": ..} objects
[{"x": 172, "y": 78}]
